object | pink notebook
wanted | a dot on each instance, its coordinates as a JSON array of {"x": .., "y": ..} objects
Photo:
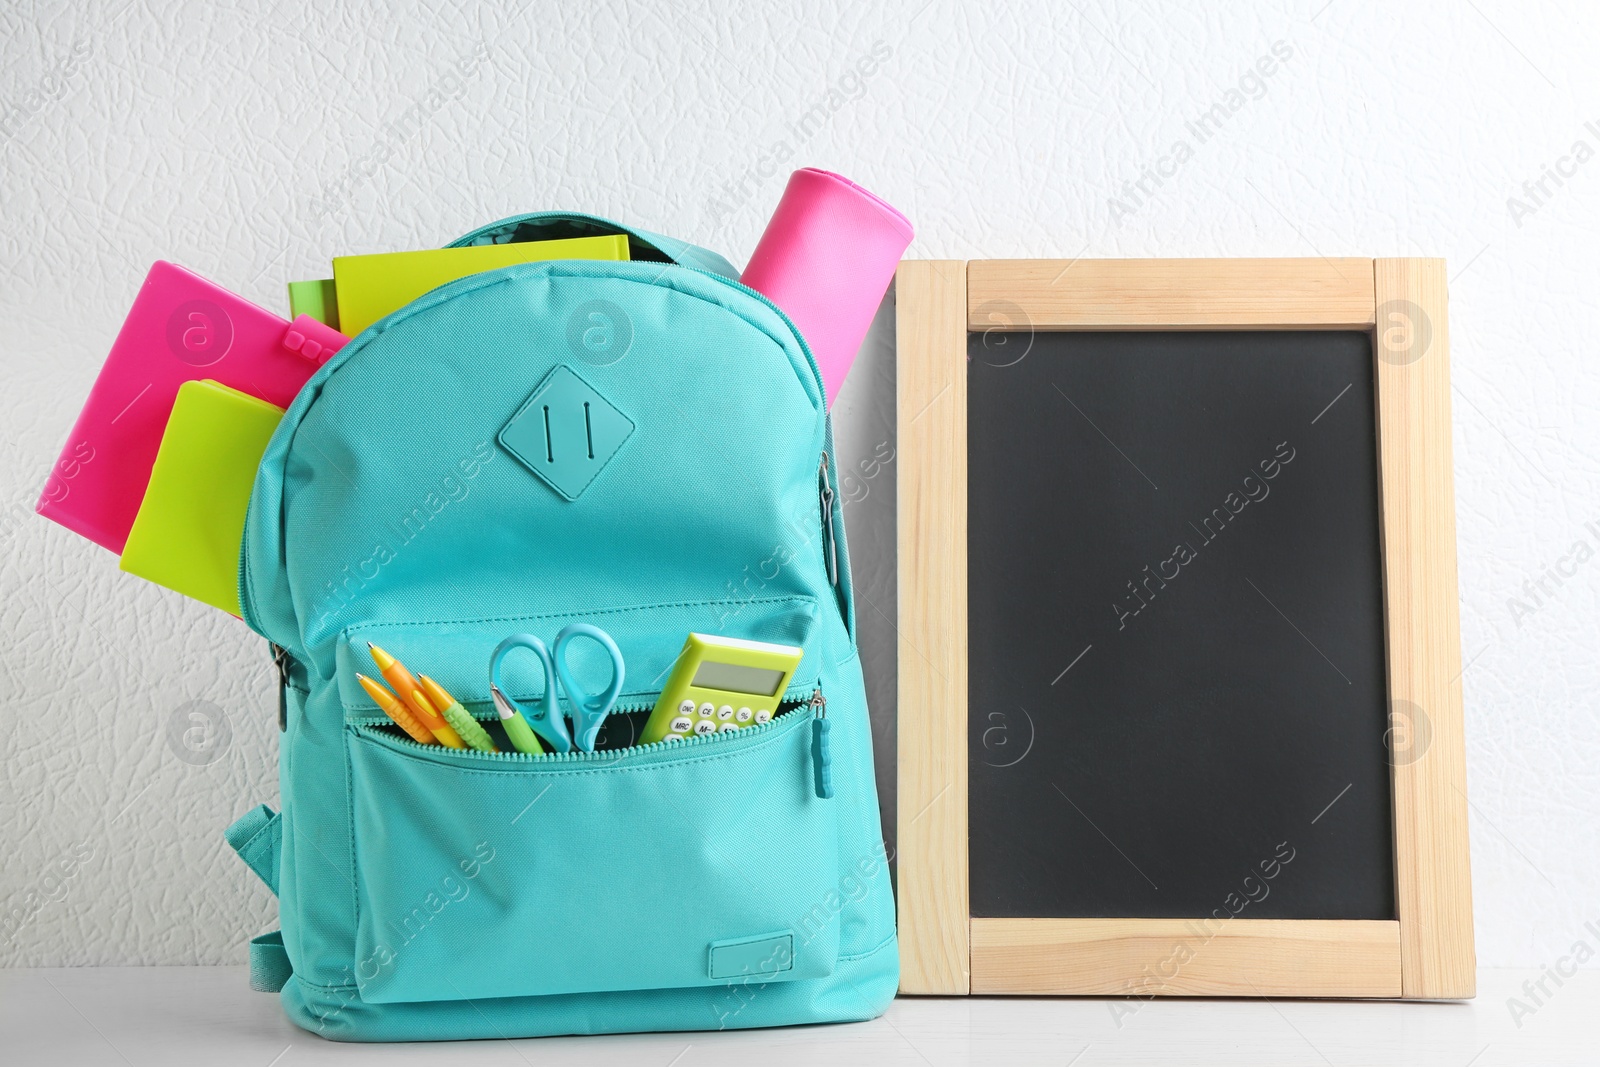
[{"x": 182, "y": 328}]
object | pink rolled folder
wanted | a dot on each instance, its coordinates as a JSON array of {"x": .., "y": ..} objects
[
  {"x": 826, "y": 258},
  {"x": 182, "y": 328}
]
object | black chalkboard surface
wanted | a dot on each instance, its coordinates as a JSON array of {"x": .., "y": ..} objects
[{"x": 1175, "y": 611}]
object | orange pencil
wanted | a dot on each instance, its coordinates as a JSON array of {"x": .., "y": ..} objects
[
  {"x": 396, "y": 711},
  {"x": 410, "y": 690}
]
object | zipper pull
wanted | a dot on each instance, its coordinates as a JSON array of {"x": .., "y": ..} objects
[
  {"x": 827, "y": 523},
  {"x": 821, "y": 761},
  {"x": 280, "y": 659}
]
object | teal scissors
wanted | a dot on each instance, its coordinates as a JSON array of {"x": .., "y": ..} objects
[{"x": 589, "y": 710}]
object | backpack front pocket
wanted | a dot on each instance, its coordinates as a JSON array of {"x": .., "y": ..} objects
[{"x": 690, "y": 863}]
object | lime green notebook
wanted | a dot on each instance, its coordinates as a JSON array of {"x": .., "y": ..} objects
[
  {"x": 317, "y": 299},
  {"x": 370, "y": 287},
  {"x": 190, "y": 525}
]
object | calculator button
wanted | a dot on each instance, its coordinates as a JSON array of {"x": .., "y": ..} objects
[
  {"x": 763, "y": 715},
  {"x": 725, "y": 727},
  {"x": 705, "y": 726},
  {"x": 673, "y": 737},
  {"x": 682, "y": 724},
  {"x": 686, "y": 708},
  {"x": 725, "y": 712},
  {"x": 743, "y": 715},
  {"x": 708, "y": 709}
]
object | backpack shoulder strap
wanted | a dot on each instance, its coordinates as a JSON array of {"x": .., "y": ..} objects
[
  {"x": 270, "y": 969},
  {"x": 257, "y": 837}
]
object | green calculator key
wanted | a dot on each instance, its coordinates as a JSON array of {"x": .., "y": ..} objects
[{"x": 721, "y": 684}]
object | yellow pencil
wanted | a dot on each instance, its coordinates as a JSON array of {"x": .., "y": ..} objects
[{"x": 395, "y": 673}]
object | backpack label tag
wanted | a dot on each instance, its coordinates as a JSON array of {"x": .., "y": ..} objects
[{"x": 566, "y": 432}]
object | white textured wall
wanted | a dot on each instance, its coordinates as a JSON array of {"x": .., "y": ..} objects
[{"x": 251, "y": 145}]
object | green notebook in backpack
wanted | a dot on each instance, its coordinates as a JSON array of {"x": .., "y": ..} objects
[{"x": 732, "y": 880}]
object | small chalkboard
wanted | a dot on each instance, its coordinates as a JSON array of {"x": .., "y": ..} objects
[
  {"x": 1179, "y": 710},
  {"x": 1175, "y": 617}
]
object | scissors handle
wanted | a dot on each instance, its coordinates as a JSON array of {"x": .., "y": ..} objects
[
  {"x": 546, "y": 719},
  {"x": 589, "y": 710}
]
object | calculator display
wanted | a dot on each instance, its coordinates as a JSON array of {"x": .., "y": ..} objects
[
  {"x": 735, "y": 678},
  {"x": 722, "y": 685}
]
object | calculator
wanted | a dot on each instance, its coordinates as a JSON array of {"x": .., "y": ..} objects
[{"x": 721, "y": 684}]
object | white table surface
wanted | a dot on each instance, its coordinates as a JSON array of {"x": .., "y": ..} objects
[{"x": 172, "y": 1016}]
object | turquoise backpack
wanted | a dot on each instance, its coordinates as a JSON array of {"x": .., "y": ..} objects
[{"x": 732, "y": 880}]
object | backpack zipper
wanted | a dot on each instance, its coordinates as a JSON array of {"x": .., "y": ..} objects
[
  {"x": 281, "y": 660},
  {"x": 830, "y": 548},
  {"x": 821, "y": 757}
]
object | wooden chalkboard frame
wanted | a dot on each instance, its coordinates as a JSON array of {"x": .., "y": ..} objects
[{"x": 1427, "y": 952}]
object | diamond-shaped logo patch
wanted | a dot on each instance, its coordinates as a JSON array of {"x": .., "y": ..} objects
[{"x": 566, "y": 432}]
